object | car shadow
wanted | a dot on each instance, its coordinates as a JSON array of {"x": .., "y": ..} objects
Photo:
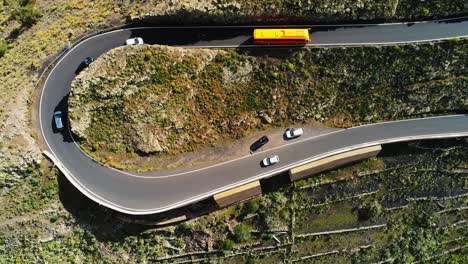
[{"x": 80, "y": 68}]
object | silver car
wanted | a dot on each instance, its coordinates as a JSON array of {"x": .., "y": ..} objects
[{"x": 58, "y": 120}]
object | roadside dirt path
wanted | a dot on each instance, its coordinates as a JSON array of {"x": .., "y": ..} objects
[{"x": 227, "y": 150}]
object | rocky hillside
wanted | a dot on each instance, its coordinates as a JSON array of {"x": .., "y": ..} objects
[
  {"x": 153, "y": 99},
  {"x": 143, "y": 98}
]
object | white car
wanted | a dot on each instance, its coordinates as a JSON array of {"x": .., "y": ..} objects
[
  {"x": 270, "y": 161},
  {"x": 293, "y": 133},
  {"x": 134, "y": 41}
]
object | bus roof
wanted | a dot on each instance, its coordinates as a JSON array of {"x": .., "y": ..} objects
[{"x": 282, "y": 33}]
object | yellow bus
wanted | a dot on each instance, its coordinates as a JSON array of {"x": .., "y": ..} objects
[{"x": 281, "y": 36}]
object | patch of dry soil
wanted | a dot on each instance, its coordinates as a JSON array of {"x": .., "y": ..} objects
[{"x": 227, "y": 150}]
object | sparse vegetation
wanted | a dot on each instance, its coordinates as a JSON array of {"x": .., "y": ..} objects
[
  {"x": 284, "y": 11},
  {"x": 241, "y": 233},
  {"x": 369, "y": 211},
  {"x": 26, "y": 14},
  {"x": 251, "y": 207},
  {"x": 42, "y": 220},
  {"x": 184, "y": 229},
  {"x": 3, "y": 47},
  {"x": 228, "y": 244},
  {"x": 415, "y": 217}
]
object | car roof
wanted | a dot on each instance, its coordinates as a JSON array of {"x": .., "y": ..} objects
[
  {"x": 274, "y": 158},
  {"x": 58, "y": 120}
]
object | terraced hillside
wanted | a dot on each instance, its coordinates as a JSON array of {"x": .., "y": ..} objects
[{"x": 407, "y": 204}]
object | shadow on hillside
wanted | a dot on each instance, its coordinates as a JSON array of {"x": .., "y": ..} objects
[
  {"x": 234, "y": 16},
  {"x": 185, "y": 17},
  {"x": 110, "y": 225}
]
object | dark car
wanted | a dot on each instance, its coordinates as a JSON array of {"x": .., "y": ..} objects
[
  {"x": 259, "y": 143},
  {"x": 87, "y": 61},
  {"x": 85, "y": 64}
]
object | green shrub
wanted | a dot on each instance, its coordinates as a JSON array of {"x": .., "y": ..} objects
[
  {"x": 184, "y": 229},
  {"x": 54, "y": 218},
  {"x": 148, "y": 55},
  {"x": 267, "y": 237},
  {"x": 72, "y": 116},
  {"x": 95, "y": 146},
  {"x": 251, "y": 207},
  {"x": 228, "y": 244},
  {"x": 27, "y": 15},
  {"x": 284, "y": 213},
  {"x": 241, "y": 233},
  {"x": 370, "y": 211},
  {"x": 25, "y": 2},
  {"x": 35, "y": 65},
  {"x": 454, "y": 40},
  {"x": 3, "y": 47}
]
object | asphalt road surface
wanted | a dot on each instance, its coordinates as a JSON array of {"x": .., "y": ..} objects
[{"x": 153, "y": 192}]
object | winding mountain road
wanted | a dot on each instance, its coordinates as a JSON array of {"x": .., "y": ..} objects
[{"x": 153, "y": 192}]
